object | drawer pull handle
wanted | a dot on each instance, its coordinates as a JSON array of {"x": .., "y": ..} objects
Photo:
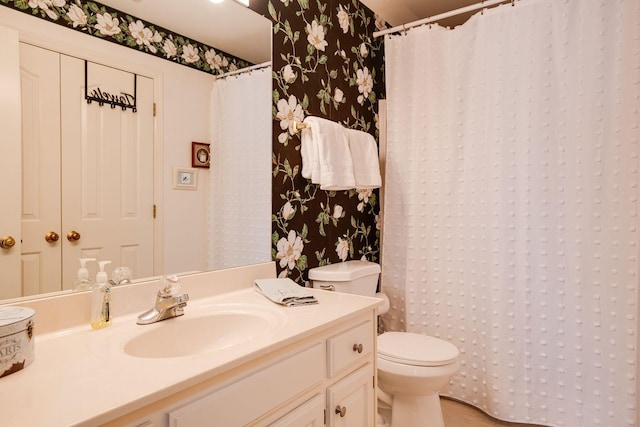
[
  {"x": 357, "y": 347},
  {"x": 341, "y": 410}
]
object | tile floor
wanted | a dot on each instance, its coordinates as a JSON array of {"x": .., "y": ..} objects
[{"x": 457, "y": 414}]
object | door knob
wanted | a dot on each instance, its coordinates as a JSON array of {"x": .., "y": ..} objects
[
  {"x": 51, "y": 237},
  {"x": 7, "y": 242},
  {"x": 341, "y": 410},
  {"x": 73, "y": 236},
  {"x": 357, "y": 347}
]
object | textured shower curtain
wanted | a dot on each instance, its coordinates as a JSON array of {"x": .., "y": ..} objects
[
  {"x": 240, "y": 172},
  {"x": 511, "y": 205}
]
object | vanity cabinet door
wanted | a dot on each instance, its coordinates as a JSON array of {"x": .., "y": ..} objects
[
  {"x": 350, "y": 400},
  {"x": 249, "y": 398},
  {"x": 309, "y": 414}
]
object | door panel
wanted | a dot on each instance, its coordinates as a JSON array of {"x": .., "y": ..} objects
[
  {"x": 40, "y": 85},
  {"x": 10, "y": 154},
  {"x": 107, "y": 170}
]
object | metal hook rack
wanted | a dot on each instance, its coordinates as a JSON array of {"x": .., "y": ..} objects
[{"x": 101, "y": 101}]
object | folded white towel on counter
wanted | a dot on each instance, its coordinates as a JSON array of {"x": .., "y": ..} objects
[
  {"x": 326, "y": 158},
  {"x": 366, "y": 163},
  {"x": 284, "y": 291}
]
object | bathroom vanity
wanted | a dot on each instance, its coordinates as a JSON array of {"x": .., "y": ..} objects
[{"x": 234, "y": 359}]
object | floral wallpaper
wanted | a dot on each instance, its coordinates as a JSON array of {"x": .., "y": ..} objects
[
  {"x": 326, "y": 63},
  {"x": 101, "y": 21}
]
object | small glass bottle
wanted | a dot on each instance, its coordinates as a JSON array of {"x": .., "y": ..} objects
[
  {"x": 83, "y": 283},
  {"x": 101, "y": 299}
]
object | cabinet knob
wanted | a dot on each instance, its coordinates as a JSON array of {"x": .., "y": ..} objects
[
  {"x": 341, "y": 410},
  {"x": 357, "y": 347},
  {"x": 7, "y": 242},
  {"x": 73, "y": 236},
  {"x": 51, "y": 237}
]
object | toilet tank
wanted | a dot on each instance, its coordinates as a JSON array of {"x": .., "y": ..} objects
[{"x": 352, "y": 277}]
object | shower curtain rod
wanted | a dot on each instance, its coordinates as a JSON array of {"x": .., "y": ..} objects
[
  {"x": 471, "y": 8},
  {"x": 244, "y": 70}
]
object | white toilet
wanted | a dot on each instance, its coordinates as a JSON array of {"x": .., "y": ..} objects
[{"x": 412, "y": 368}]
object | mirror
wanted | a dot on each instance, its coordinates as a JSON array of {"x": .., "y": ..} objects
[{"x": 183, "y": 99}]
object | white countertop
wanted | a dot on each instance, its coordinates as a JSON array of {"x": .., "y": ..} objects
[{"x": 82, "y": 376}]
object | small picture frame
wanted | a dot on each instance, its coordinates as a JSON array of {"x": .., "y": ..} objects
[
  {"x": 200, "y": 155},
  {"x": 185, "y": 179}
]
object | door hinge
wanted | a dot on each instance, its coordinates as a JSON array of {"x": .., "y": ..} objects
[
  {"x": 325, "y": 416},
  {"x": 154, "y": 211},
  {"x": 154, "y": 109}
]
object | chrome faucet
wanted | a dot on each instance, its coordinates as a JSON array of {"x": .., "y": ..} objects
[{"x": 168, "y": 304}]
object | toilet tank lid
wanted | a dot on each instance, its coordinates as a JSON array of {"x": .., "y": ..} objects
[{"x": 344, "y": 271}]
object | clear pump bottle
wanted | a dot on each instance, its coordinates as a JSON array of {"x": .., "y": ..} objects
[
  {"x": 101, "y": 299},
  {"x": 83, "y": 282}
]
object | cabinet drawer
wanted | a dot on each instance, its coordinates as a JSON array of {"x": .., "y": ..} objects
[
  {"x": 251, "y": 397},
  {"x": 349, "y": 347}
]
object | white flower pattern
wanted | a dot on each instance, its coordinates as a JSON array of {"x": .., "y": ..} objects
[
  {"x": 77, "y": 16},
  {"x": 170, "y": 49},
  {"x": 364, "y": 80},
  {"x": 343, "y": 20},
  {"x": 342, "y": 248},
  {"x": 288, "y": 211},
  {"x": 107, "y": 24},
  {"x": 144, "y": 36},
  {"x": 215, "y": 61},
  {"x": 315, "y": 35},
  {"x": 190, "y": 54},
  {"x": 289, "y": 111},
  {"x": 288, "y": 74},
  {"x": 289, "y": 250}
]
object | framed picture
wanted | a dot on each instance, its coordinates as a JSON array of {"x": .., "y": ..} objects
[
  {"x": 200, "y": 155},
  {"x": 185, "y": 179}
]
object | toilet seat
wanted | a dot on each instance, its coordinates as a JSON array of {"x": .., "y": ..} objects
[{"x": 416, "y": 349}]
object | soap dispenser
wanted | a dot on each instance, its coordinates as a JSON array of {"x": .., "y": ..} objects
[
  {"x": 101, "y": 299},
  {"x": 83, "y": 282}
]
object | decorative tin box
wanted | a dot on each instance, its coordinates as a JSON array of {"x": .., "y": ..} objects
[{"x": 16, "y": 339}]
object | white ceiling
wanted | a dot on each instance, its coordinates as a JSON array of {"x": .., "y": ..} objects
[
  {"x": 237, "y": 30},
  {"x": 228, "y": 26},
  {"x": 398, "y": 12}
]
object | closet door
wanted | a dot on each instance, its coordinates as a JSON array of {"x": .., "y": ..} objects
[
  {"x": 107, "y": 170},
  {"x": 41, "y": 245},
  {"x": 10, "y": 154}
]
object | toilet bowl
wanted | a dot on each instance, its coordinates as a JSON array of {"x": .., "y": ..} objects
[{"x": 412, "y": 368}]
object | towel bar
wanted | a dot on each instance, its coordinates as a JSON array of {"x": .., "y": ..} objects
[{"x": 296, "y": 127}]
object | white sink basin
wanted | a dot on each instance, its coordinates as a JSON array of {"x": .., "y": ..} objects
[{"x": 190, "y": 335}]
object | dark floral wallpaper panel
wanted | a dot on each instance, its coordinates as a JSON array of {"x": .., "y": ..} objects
[{"x": 326, "y": 63}]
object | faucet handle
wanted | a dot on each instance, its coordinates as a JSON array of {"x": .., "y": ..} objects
[
  {"x": 171, "y": 286},
  {"x": 182, "y": 299}
]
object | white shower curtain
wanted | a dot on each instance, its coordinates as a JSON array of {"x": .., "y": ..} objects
[
  {"x": 511, "y": 212},
  {"x": 240, "y": 172}
]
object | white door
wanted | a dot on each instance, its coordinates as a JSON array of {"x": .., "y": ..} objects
[
  {"x": 10, "y": 154},
  {"x": 107, "y": 170},
  {"x": 350, "y": 400},
  {"x": 41, "y": 245}
]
